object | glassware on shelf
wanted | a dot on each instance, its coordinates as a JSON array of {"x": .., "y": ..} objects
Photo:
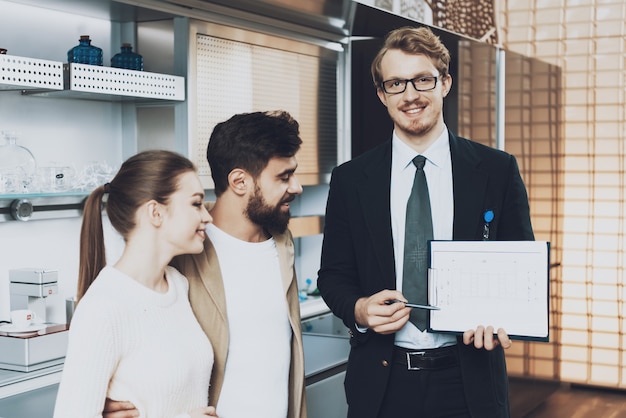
[
  {"x": 17, "y": 166},
  {"x": 127, "y": 59},
  {"x": 85, "y": 53},
  {"x": 55, "y": 177},
  {"x": 94, "y": 174}
]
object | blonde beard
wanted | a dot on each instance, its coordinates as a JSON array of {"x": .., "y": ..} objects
[{"x": 416, "y": 129}]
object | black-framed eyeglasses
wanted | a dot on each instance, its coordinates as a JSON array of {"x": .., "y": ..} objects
[{"x": 421, "y": 83}]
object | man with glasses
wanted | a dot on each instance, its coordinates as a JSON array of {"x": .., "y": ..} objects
[{"x": 383, "y": 207}]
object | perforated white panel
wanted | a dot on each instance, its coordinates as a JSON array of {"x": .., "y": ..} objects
[
  {"x": 121, "y": 82},
  {"x": 236, "y": 77},
  {"x": 30, "y": 73}
]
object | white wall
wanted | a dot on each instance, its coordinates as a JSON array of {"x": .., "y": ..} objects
[
  {"x": 62, "y": 130},
  {"x": 48, "y": 244},
  {"x": 312, "y": 202}
]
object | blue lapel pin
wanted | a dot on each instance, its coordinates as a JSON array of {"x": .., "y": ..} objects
[{"x": 487, "y": 217}]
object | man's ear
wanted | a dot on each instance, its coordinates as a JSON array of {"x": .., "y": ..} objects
[
  {"x": 447, "y": 84},
  {"x": 238, "y": 180},
  {"x": 381, "y": 96}
]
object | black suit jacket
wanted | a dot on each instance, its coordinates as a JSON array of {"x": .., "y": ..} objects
[{"x": 358, "y": 261}]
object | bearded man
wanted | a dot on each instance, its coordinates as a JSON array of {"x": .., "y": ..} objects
[{"x": 243, "y": 287}]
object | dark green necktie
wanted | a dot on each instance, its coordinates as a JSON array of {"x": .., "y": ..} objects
[{"x": 418, "y": 230}]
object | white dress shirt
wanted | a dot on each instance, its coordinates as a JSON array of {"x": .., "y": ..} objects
[{"x": 438, "y": 170}]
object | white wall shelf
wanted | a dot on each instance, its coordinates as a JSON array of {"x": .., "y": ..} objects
[
  {"x": 42, "y": 77},
  {"x": 95, "y": 82},
  {"x": 22, "y": 73},
  {"x": 45, "y": 78}
]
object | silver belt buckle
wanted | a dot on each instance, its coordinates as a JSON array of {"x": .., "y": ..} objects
[{"x": 408, "y": 359}]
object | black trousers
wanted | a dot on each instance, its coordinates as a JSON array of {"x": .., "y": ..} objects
[{"x": 436, "y": 393}]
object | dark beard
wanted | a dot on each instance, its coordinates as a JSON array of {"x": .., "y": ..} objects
[{"x": 272, "y": 219}]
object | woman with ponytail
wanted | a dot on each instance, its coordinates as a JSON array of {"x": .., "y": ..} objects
[{"x": 133, "y": 335}]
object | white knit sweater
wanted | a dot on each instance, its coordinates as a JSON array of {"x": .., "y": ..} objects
[{"x": 128, "y": 342}]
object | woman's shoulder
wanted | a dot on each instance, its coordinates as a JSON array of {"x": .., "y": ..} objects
[
  {"x": 105, "y": 295},
  {"x": 108, "y": 281}
]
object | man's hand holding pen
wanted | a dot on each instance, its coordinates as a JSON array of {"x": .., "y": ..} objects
[
  {"x": 411, "y": 305},
  {"x": 374, "y": 313}
]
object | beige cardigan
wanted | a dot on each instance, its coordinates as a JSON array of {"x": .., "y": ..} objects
[{"x": 206, "y": 293}]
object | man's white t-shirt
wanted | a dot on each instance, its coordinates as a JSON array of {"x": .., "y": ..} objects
[{"x": 256, "y": 378}]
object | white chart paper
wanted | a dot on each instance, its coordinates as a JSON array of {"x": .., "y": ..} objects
[{"x": 500, "y": 283}]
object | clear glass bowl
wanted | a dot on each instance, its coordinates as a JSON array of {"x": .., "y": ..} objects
[{"x": 17, "y": 166}]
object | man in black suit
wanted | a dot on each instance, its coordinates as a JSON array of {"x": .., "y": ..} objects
[{"x": 396, "y": 370}]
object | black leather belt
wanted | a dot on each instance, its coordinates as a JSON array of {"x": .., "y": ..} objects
[{"x": 431, "y": 359}]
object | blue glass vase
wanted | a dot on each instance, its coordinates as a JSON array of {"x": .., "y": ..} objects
[
  {"x": 85, "y": 53},
  {"x": 127, "y": 59}
]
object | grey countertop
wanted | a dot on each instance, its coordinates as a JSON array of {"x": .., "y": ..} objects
[
  {"x": 313, "y": 306},
  {"x": 321, "y": 353},
  {"x": 8, "y": 377},
  {"x": 324, "y": 352}
]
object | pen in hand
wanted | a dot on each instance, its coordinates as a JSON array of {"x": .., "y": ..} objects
[{"x": 410, "y": 305}]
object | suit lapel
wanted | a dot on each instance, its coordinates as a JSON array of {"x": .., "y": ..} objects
[
  {"x": 373, "y": 192},
  {"x": 212, "y": 280},
  {"x": 208, "y": 271},
  {"x": 470, "y": 186},
  {"x": 286, "y": 258},
  {"x": 284, "y": 248}
]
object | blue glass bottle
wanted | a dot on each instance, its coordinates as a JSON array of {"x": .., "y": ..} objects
[
  {"x": 127, "y": 59},
  {"x": 85, "y": 53}
]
